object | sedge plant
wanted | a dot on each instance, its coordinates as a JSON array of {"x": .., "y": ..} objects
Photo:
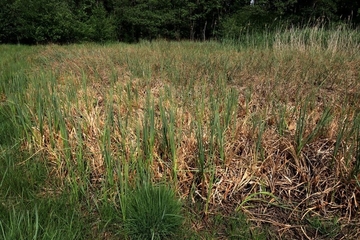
[{"x": 152, "y": 212}]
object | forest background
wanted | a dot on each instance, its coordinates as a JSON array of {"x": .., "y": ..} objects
[{"x": 71, "y": 21}]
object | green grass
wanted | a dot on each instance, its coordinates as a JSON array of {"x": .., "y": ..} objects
[
  {"x": 8, "y": 131},
  {"x": 152, "y": 212},
  {"x": 28, "y": 209},
  {"x": 267, "y": 128},
  {"x": 44, "y": 220},
  {"x": 327, "y": 228}
]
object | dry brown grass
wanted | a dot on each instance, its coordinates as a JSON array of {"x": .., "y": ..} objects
[{"x": 271, "y": 85}]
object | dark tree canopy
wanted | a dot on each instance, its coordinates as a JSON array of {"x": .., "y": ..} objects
[{"x": 66, "y": 21}]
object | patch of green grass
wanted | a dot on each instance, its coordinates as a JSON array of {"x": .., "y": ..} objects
[
  {"x": 43, "y": 219},
  {"x": 25, "y": 213},
  {"x": 21, "y": 174},
  {"x": 152, "y": 212},
  {"x": 8, "y": 132},
  {"x": 325, "y": 228},
  {"x": 238, "y": 227},
  {"x": 29, "y": 207}
]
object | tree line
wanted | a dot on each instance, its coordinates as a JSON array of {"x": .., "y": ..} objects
[{"x": 68, "y": 21}]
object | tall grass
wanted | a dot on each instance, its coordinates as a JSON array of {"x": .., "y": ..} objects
[{"x": 219, "y": 122}]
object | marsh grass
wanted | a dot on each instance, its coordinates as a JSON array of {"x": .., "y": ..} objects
[
  {"x": 269, "y": 128},
  {"x": 26, "y": 212},
  {"x": 152, "y": 212}
]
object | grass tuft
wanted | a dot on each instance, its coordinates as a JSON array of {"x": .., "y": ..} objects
[{"x": 152, "y": 212}]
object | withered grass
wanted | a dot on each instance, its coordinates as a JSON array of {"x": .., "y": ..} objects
[{"x": 271, "y": 131}]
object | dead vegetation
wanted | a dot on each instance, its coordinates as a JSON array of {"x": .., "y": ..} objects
[{"x": 271, "y": 132}]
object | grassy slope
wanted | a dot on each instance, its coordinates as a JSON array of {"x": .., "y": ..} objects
[{"x": 269, "y": 131}]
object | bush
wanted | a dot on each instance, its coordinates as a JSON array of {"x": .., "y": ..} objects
[{"x": 249, "y": 19}]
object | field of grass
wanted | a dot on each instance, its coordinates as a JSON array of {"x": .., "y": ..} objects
[{"x": 258, "y": 139}]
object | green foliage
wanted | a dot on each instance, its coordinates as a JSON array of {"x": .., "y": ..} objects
[
  {"x": 356, "y": 133},
  {"x": 43, "y": 21},
  {"x": 55, "y": 21},
  {"x": 33, "y": 22},
  {"x": 7, "y": 128},
  {"x": 249, "y": 19},
  {"x": 300, "y": 139},
  {"x": 101, "y": 27},
  {"x": 325, "y": 9},
  {"x": 152, "y": 212},
  {"x": 49, "y": 220},
  {"x": 238, "y": 227},
  {"x": 24, "y": 212},
  {"x": 233, "y": 226},
  {"x": 326, "y": 228},
  {"x": 8, "y": 32},
  {"x": 93, "y": 22},
  {"x": 148, "y": 19}
]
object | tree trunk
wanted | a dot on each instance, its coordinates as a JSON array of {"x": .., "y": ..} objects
[{"x": 204, "y": 31}]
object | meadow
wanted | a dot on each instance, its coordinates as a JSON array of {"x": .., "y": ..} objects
[{"x": 256, "y": 138}]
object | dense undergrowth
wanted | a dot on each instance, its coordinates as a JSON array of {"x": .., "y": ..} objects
[{"x": 258, "y": 139}]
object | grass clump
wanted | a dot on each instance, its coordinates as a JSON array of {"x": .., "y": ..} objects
[{"x": 152, "y": 212}]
